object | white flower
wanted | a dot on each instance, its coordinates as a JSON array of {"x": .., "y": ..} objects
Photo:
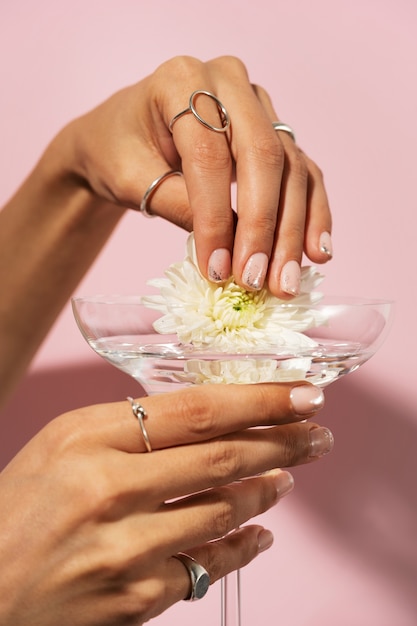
[
  {"x": 226, "y": 317},
  {"x": 245, "y": 371}
]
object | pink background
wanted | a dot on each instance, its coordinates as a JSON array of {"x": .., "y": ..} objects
[{"x": 343, "y": 74}]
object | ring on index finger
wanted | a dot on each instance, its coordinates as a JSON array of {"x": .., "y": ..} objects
[
  {"x": 140, "y": 413},
  {"x": 224, "y": 116}
]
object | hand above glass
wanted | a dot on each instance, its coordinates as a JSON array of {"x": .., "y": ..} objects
[
  {"x": 109, "y": 160},
  {"x": 281, "y": 203}
]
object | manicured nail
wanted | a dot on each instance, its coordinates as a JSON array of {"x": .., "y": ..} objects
[
  {"x": 306, "y": 399},
  {"x": 284, "y": 483},
  {"x": 265, "y": 540},
  {"x": 255, "y": 271},
  {"x": 219, "y": 265},
  {"x": 291, "y": 278},
  {"x": 321, "y": 441},
  {"x": 326, "y": 244}
]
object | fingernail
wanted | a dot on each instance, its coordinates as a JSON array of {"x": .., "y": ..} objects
[
  {"x": 326, "y": 245},
  {"x": 219, "y": 265},
  {"x": 284, "y": 483},
  {"x": 306, "y": 399},
  {"x": 321, "y": 441},
  {"x": 291, "y": 278},
  {"x": 255, "y": 270},
  {"x": 265, "y": 540}
]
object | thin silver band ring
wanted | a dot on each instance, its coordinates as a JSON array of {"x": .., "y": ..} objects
[
  {"x": 140, "y": 413},
  {"x": 225, "y": 119},
  {"x": 285, "y": 128},
  {"x": 152, "y": 188},
  {"x": 199, "y": 577}
]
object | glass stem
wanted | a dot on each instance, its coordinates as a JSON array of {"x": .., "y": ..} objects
[{"x": 230, "y": 600}]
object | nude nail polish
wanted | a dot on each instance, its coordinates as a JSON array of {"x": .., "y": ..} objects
[
  {"x": 306, "y": 399},
  {"x": 284, "y": 483},
  {"x": 219, "y": 265},
  {"x": 265, "y": 540},
  {"x": 325, "y": 244},
  {"x": 321, "y": 442},
  {"x": 291, "y": 278},
  {"x": 255, "y": 270}
]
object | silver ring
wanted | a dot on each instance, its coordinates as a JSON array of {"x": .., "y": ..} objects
[
  {"x": 140, "y": 413},
  {"x": 225, "y": 119},
  {"x": 152, "y": 187},
  {"x": 285, "y": 128},
  {"x": 199, "y": 576}
]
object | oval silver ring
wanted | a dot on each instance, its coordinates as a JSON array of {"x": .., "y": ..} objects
[{"x": 225, "y": 118}]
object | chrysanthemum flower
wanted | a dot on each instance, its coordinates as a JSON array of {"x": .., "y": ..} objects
[{"x": 226, "y": 317}]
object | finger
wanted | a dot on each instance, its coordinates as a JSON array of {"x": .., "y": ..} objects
[
  {"x": 171, "y": 580},
  {"x": 259, "y": 159},
  {"x": 168, "y": 199},
  {"x": 284, "y": 268},
  {"x": 174, "y": 472},
  {"x": 284, "y": 277},
  {"x": 192, "y": 520},
  {"x": 318, "y": 243},
  {"x": 195, "y": 414},
  {"x": 226, "y": 555},
  {"x": 206, "y": 164},
  {"x": 232, "y": 552},
  {"x": 215, "y": 513}
]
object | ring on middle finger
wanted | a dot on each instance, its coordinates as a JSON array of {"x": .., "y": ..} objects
[{"x": 224, "y": 116}]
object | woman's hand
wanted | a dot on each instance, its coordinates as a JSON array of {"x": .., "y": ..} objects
[
  {"x": 92, "y": 520},
  {"x": 125, "y": 144}
]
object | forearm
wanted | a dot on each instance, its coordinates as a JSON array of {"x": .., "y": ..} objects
[{"x": 50, "y": 232}]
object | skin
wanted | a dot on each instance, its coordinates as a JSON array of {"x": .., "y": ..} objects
[
  {"x": 102, "y": 163},
  {"x": 106, "y": 559}
]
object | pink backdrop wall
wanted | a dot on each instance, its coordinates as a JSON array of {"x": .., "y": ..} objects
[{"x": 344, "y": 76}]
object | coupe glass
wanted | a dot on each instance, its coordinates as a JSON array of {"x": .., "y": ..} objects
[{"x": 120, "y": 329}]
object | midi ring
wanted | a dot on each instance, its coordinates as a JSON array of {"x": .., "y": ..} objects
[
  {"x": 199, "y": 576},
  {"x": 224, "y": 116},
  {"x": 285, "y": 128},
  {"x": 152, "y": 188},
  {"x": 140, "y": 413}
]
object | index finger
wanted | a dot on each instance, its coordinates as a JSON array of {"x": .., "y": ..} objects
[
  {"x": 201, "y": 413},
  {"x": 196, "y": 122}
]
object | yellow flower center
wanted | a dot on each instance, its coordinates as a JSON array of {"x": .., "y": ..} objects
[{"x": 236, "y": 308}]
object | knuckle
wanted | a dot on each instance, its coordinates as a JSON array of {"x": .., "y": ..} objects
[
  {"x": 98, "y": 493},
  {"x": 65, "y": 434},
  {"x": 196, "y": 412},
  {"x": 224, "y": 462},
  {"x": 140, "y": 607},
  {"x": 265, "y": 225},
  {"x": 298, "y": 166},
  {"x": 267, "y": 150},
  {"x": 181, "y": 67},
  {"x": 223, "y": 518},
  {"x": 123, "y": 183},
  {"x": 261, "y": 93},
  {"x": 293, "y": 447},
  {"x": 232, "y": 64},
  {"x": 315, "y": 170},
  {"x": 211, "y": 155}
]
